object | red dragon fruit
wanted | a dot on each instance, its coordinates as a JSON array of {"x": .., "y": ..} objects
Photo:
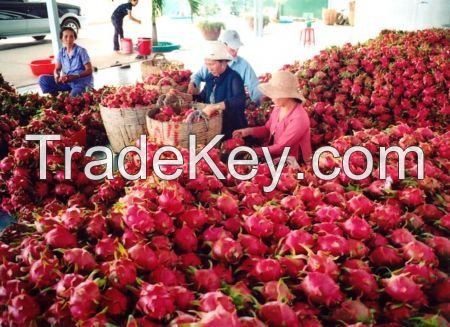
[
  {"x": 278, "y": 314},
  {"x": 206, "y": 279},
  {"x": 211, "y": 300},
  {"x": 328, "y": 214},
  {"x": 122, "y": 272},
  {"x": 219, "y": 317},
  {"x": 276, "y": 291},
  {"x": 403, "y": 289},
  {"x": 353, "y": 312},
  {"x": 252, "y": 245},
  {"x": 417, "y": 252},
  {"x": 155, "y": 301},
  {"x": 401, "y": 236},
  {"x": 323, "y": 263},
  {"x": 183, "y": 297},
  {"x": 266, "y": 270},
  {"x": 362, "y": 283},
  {"x": 65, "y": 286},
  {"x": 227, "y": 249},
  {"x": 385, "y": 256},
  {"x": 84, "y": 300},
  {"x": 185, "y": 239},
  {"x": 106, "y": 248},
  {"x": 143, "y": 256},
  {"x": 440, "y": 244},
  {"x": 115, "y": 301},
  {"x": 170, "y": 201},
  {"x": 228, "y": 205},
  {"x": 258, "y": 226},
  {"x": 296, "y": 242},
  {"x": 334, "y": 244},
  {"x": 360, "y": 205},
  {"x": 139, "y": 219},
  {"x": 194, "y": 218},
  {"x": 72, "y": 218},
  {"x": 357, "y": 228},
  {"x": 412, "y": 197},
  {"x": 60, "y": 237},
  {"x": 321, "y": 288},
  {"x": 23, "y": 309},
  {"x": 44, "y": 272},
  {"x": 80, "y": 258},
  {"x": 420, "y": 274}
]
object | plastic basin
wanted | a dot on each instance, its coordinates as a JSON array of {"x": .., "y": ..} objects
[{"x": 41, "y": 67}]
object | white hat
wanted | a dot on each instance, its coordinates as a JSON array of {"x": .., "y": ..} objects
[
  {"x": 232, "y": 39},
  {"x": 283, "y": 84},
  {"x": 216, "y": 50}
]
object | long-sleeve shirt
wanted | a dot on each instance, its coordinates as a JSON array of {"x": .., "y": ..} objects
[
  {"x": 293, "y": 131},
  {"x": 243, "y": 68},
  {"x": 229, "y": 88}
]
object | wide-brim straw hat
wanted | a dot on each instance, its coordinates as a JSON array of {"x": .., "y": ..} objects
[
  {"x": 282, "y": 85},
  {"x": 216, "y": 50}
]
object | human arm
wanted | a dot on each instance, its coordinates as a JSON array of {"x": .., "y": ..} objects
[
  {"x": 196, "y": 80},
  {"x": 130, "y": 16},
  {"x": 291, "y": 137},
  {"x": 86, "y": 61},
  {"x": 252, "y": 82},
  {"x": 57, "y": 72},
  {"x": 87, "y": 71}
]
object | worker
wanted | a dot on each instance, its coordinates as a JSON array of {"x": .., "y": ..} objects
[{"x": 73, "y": 69}]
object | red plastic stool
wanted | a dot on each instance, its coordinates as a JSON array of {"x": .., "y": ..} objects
[{"x": 308, "y": 36}]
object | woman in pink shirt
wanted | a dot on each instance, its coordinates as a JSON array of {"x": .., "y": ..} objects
[{"x": 288, "y": 125}]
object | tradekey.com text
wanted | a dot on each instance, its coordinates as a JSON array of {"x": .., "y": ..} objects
[{"x": 194, "y": 158}]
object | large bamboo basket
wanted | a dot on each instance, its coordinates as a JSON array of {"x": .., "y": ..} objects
[
  {"x": 177, "y": 133},
  {"x": 329, "y": 16},
  {"x": 123, "y": 125},
  {"x": 159, "y": 63}
]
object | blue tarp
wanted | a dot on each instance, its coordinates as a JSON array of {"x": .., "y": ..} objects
[{"x": 5, "y": 220}]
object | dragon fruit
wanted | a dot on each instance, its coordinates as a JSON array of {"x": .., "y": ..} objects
[
  {"x": 321, "y": 288},
  {"x": 155, "y": 301}
]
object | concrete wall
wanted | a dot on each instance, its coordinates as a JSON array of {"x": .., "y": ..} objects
[{"x": 373, "y": 16}]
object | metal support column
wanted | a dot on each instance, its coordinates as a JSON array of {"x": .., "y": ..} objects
[
  {"x": 258, "y": 21},
  {"x": 53, "y": 20}
]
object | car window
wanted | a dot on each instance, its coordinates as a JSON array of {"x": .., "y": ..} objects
[{"x": 10, "y": 15}]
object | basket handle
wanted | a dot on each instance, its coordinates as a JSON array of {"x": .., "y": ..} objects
[
  {"x": 170, "y": 79},
  {"x": 159, "y": 54},
  {"x": 197, "y": 113}
]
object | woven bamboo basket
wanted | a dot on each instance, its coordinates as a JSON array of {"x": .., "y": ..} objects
[
  {"x": 163, "y": 89},
  {"x": 123, "y": 125},
  {"x": 158, "y": 64},
  {"x": 177, "y": 133},
  {"x": 329, "y": 16}
]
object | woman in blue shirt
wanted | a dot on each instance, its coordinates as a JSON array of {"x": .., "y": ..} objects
[
  {"x": 237, "y": 63},
  {"x": 224, "y": 90},
  {"x": 117, "y": 20},
  {"x": 73, "y": 70}
]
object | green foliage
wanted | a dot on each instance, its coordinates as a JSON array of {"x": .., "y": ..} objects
[{"x": 207, "y": 25}]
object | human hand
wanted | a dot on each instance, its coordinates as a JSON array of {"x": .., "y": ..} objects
[
  {"x": 192, "y": 89},
  {"x": 210, "y": 109},
  {"x": 241, "y": 133},
  {"x": 173, "y": 92}
]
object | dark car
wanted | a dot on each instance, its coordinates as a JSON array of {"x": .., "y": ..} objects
[{"x": 30, "y": 18}]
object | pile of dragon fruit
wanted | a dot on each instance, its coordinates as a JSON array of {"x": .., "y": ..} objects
[{"x": 210, "y": 252}]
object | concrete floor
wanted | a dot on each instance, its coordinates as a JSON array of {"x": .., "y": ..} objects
[{"x": 279, "y": 45}]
